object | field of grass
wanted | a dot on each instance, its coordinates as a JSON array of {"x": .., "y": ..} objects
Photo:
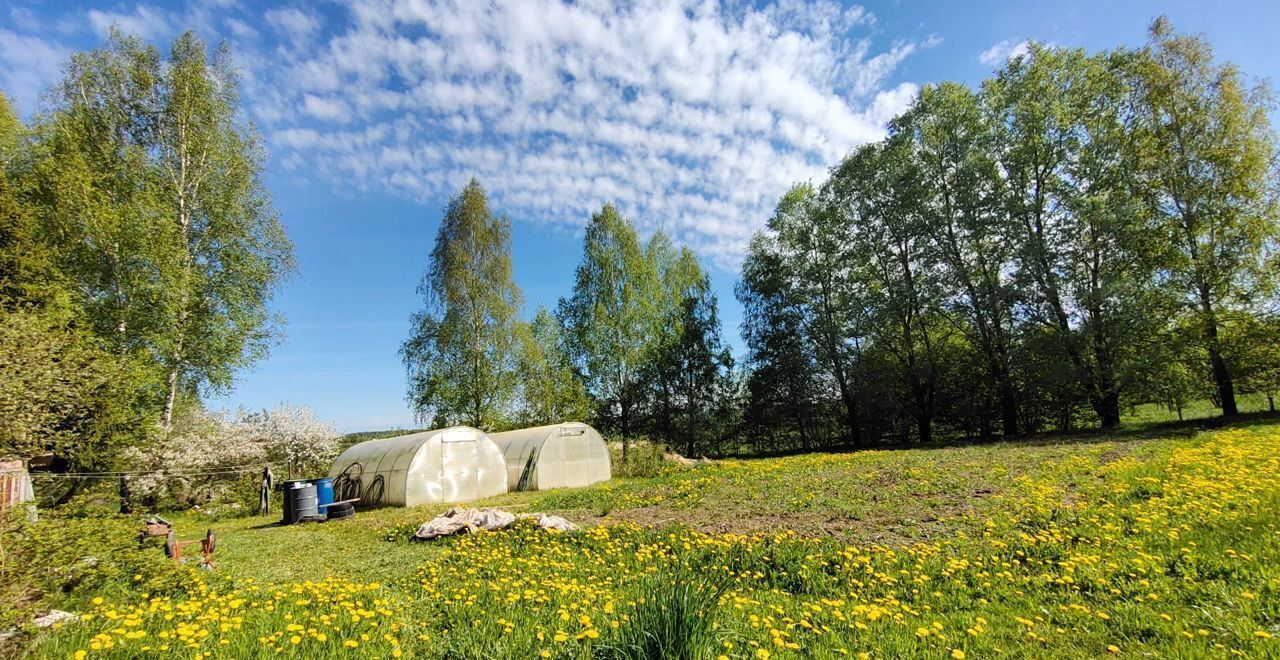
[
  {"x": 1142, "y": 545},
  {"x": 1149, "y": 414}
]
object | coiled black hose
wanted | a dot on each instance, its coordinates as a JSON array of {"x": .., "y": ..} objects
[
  {"x": 373, "y": 494},
  {"x": 347, "y": 485}
]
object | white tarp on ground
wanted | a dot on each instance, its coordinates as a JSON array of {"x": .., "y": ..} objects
[
  {"x": 567, "y": 455},
  {"x": 461, "y": 519}
]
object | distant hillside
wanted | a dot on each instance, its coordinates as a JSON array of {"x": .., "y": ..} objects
[{"x": 360, "y": 436}]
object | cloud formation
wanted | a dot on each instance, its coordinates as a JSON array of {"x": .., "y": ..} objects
[
  {"x": 143, "y": 21},
  {"x": 692, "y": 116},
  {"x": 1005, "y": 50}
]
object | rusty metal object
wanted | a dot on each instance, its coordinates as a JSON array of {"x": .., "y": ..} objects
[{"x": 159, "y": 527}]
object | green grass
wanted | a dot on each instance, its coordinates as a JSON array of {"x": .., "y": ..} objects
[
  {"x": 1160, "y": 543},
  {"x": 1149, "y": 414}
]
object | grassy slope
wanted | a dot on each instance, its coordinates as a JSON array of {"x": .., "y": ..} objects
[{"x": 1064, "y": 547}]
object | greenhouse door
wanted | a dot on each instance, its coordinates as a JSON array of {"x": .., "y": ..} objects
[{"x": 459, "y": 458}]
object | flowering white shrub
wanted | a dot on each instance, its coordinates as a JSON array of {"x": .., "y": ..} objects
[
  {"x": 292, "y": 437},
  {"x": 207, "y": 454},
  {"x": 203, "y": 450}
]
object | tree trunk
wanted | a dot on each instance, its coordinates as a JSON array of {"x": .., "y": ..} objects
[
  {"x": 1008, "y": 408},
  {"x": 852, "y": 422},
  {"x": 626, "y": 430},
  {"x": 1107, "y": 405},
  {"x": 804, "y": 429},
  {"x": 689, "y": 441},
  {"x": 77, "y": 486},
  {"x": 170, "y": 399},
  {"x": 1221, "y": 376},
  {"x": 1271, "y": 402},
  {"x": 924, "y": 427},
  {"x": 126, "y": 495}
]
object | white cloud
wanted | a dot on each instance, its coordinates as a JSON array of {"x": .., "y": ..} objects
[
  {"x": 326, "y": 108},
  {"x": 692, "y": 117},
  {"x": 146, "y": 22},
  {"x": 27, "y": 65},
  {"x": 295, "y": 24},
  {"x": 241, "y": 29},
  {"x": 1007, "y": 49},
  {"x": 24, "y": 19}
]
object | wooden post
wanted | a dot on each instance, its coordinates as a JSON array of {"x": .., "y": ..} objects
[
  {"x": 126, "y": 495},
  {"x": 264, "y": 495}
]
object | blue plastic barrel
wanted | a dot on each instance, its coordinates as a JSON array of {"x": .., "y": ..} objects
[{"x": 324, "y": 492}]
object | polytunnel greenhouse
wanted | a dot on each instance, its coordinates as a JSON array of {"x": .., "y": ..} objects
[
  {"x": 457, "y": 464},
  {"x": 557, "y": 456}
]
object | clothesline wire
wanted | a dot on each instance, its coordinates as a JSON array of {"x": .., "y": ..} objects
[
  {"x": 153, "y": 473},
  {"x": 135, "y": 472}
]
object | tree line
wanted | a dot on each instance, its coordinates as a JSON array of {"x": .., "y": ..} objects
[
  {"x": 635, "y": 348},
  {"x": 139, "y": 251},
  {"x": 1083, "y": 231}
]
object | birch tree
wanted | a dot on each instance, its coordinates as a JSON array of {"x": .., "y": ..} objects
[
  {"x": 151, "y": 185},
  {"x": 230, "y": 250},
  {"x": 611, "y": 316},
  {"x": 549, "y": 390},
  {"x": 462, "y": 354},
  {"x": 1210, "y": 180}
]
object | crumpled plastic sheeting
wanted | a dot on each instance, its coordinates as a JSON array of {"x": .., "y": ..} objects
[
  {"x": 459, "y": 519},
  {"x": 550, "y": 522},
  {"x": 55, "y": 617}
]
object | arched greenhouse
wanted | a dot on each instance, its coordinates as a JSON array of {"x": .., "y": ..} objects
[
  {"x": 457, "y": 464},
  {"x": 556, "y": 456}
]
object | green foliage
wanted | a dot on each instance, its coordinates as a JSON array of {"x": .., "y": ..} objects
[
  {"x": 1209, "y": 179},
  {"x": 688, "y": 370},
  {"x": 642, "y": 459},
  {"x": 1253, "y": 355},
  {"x": 60, "y": 394},
  {"x": 782, "y": 392},
  {"x": 675, "y": 620},
  {"x": 361, "y": 436},
  {"x": 152, "y": 187},
  {"x": 138, "y": 250},
  {"x": 965, "y": 231},
  {"x": 69, "y": 560},
  {"x": 878, "y": 189},
  {"x": 1065, "y": 136},
  {"x": 462, "y": 355},
  {"x": 1080, "y": 233},
  {"x": 549, "y": 390},
  {"x": 611, "y": 316}
]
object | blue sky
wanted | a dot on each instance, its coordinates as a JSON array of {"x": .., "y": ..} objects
[{"x": 692, "y": 117}]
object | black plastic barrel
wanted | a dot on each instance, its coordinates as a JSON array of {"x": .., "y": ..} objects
[
  {"x": 304, "y": 502},
  {"x": 285, "y": 488},
  {"x": 299, "y": 501}
]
